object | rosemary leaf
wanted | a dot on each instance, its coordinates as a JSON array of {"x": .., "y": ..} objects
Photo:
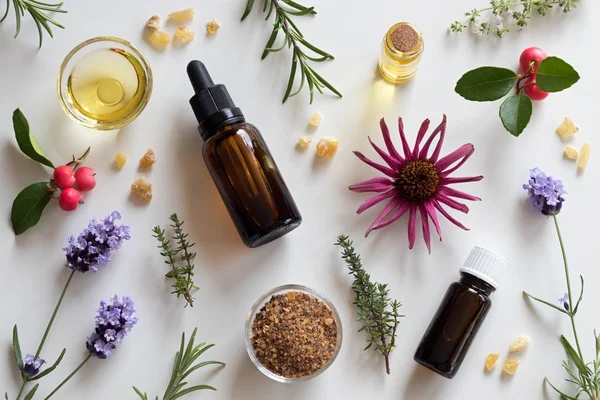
[{"x": 38, "y": 12}]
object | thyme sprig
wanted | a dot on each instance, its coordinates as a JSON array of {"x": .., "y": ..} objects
[
  {"x": 183, "y": 367},
  {"x": 179, "y": 258},
  {"x": 37, "y": 10},
  {"x": 508, "y": 15},
  {"x": 303, "y": 52},
  {"x": 374, "y": 308}
]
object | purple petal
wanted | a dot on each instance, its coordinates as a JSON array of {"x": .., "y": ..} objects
[
  {"x": 457, "y": 193},
  {"x": 420, "y": 136},
  {"x": 412, "y": 227},
  {"x": 462, "y": 153},
  {"x": 451, "y": 203},
  {"x": 386, "y": 157},
  {"x": 433, "y": 215},
  {"x": 425, "y": 225},
  {"x": 449, "y": 181},
  {"x": 441, "y": 129},
  {"x": 393, "y": 203},
  {"x": 439, "y": 207},
  {"x": 397, "y": 214},
  {"x": 375, "y": 200},
  {"x": 405, "y": 146},
  {"x": 388, "y": 141},
  {"x": 377, "y": 185},
  {"x": 388, "y": 171}
]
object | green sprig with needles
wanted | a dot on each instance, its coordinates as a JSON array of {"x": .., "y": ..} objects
[
  {"x": 38, "y": 11},
  {"x": 303, "y": 52}
]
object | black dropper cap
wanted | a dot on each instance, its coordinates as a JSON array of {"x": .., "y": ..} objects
[{"x": 212, "y": 104}]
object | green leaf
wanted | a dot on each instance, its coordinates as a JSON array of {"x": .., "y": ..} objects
[
  {"x": 26, "y": 141},
  {"x": 28, "y": 206},
  {"x": 559, "y": 309},
  {"x": 139, "y": 393},
  {"x": 192, "y": 389},
  {"x": 248, "y": 9},
  {"x": 563, "y": 395},
  {"x": 486, "y": 83},
  {"x": 17, "y": 349},
  {"x": 32, "y": 392},
  {"x": 574, "y": 357},
  {"x": 515, "y": 113},
  {"x": 580, "y": 296},
  {"x": 554, "y": 75},
  {"x": 52, "y": 368}
]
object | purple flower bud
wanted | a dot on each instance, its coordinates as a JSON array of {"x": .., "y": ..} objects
[
  {"x": 114, "y": 320},
  {"x": 32, "y": 365},
  {"x": 545, "y": 192}
]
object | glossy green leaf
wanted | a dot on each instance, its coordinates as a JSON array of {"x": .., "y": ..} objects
[
  {"x": 515, "y": 113},
  {"x": 26, "y": 141},
  {"x": 17, "y": 349},
  {"x": 486, "y": 83},
  {"x": 28, "y": 206},
  {"x": 52, "y": 368},
  {"x": 574, "y": 357},
  {"x": 29, "y": 395},
  {"x": 554, "y": 75}
]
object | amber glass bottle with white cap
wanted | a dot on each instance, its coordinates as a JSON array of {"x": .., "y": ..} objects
[{"x": 461, "y": 313}]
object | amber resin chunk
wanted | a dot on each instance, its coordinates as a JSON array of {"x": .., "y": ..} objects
[
  {"x": 585, "y": 156},
  {"x": 567, "y": 128},
  {"x": 182, "y": 15},
  {"x": 148, "y": 159},
  {"x": 120, "y": 160},
  {"x": 520, "y": 344},
  {"x": 491, "y": 360},
  {"x": 316, "y": 119},
  {"x": 142, "y": 189},
  {"x": 213, "y": 26},
  {"x": 159, "y": 38},
  {"x": 184, "y": 34},
  {"x": 304, "y": 141},
  {"x": 327, "y": 147},
  {"x": 571, "y": 152},
  {"x": 153, "y": 22},
  {"x": 511, "y": 366}
]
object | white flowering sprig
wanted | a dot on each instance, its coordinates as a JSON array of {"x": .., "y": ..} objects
[{"x": 505, "y": 15}]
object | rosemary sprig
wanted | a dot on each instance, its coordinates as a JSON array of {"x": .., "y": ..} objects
[
  {"x": 179, "y": 258},
  {"x": 303, "y": 52},
  {"x": 182, "y": 368},
  {"x": 374, "y": 308},
  {"x": 37, "y": 10}
]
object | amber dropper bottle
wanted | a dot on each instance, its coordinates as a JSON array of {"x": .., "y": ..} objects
[
  {"x": 461, "y": 313},
  {"x": 240, "y": 164}
]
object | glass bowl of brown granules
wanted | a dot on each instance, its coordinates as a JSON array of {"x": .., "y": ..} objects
[{"x": 293, "y": 333}]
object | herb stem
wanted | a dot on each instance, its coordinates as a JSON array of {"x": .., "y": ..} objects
[
  {"x": 69, "y": 377},
  {"x": 566, "y": 264},
  {"x": 62, "y": 296},
  {"x": 22, "y": 389}
]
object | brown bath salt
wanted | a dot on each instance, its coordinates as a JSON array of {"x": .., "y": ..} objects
[
  {"x": 294, "y": 335},
  {"x": 405, "y": 38}
]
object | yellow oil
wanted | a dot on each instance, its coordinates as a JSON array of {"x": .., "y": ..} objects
[
  {"x": 397, "y": 66},
  {"x": 107, "y": 85}
]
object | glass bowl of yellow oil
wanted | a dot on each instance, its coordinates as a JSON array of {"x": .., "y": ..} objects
[{"x": 104, "y": 83}]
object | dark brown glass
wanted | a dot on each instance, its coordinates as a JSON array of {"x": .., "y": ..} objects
[
  {"x": 250, "y": 184},
  {"x": 454, "y": 326}
]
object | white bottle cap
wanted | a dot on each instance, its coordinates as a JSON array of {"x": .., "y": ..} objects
[{"x": 485, "y": 265}]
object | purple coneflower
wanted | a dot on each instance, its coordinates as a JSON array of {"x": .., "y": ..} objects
[{"x": 416, "y": 181}]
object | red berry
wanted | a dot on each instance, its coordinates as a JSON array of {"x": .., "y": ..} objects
[
  {"x": 85, "y": 178},
  {"x": 63, "y": 177},
  {"x": 531, "y": 55},
  {"x": 533, "y": 91},
  {"x": 69, "y": 199}
]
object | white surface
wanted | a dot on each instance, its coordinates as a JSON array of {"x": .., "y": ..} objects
[{"x": 232, "y": 277}]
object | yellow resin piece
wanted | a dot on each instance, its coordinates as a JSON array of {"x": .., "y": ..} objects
[
  {"x": 213, "y": 26},
  {"x": 571, "y": 152},
  {"x": 153, "y": 22},
  {"x": 304, "y": 141},
  {"x": 120, "y": 160},
  {"x": 142, "y": 189},
  {"x": 567, "y": 128},
  {"x": 520, "y": 344},
  {"x": 316, "y": 119},
  {"x": 148, "y": 159},
  {"x": 491, "y": 360},
  {"x": 327, "y": 147},
  {"x": 184, "y": 34},
  {"x": 182, "y": 15},
  {"x": 585, "y": 156},
  {"x": 159, "y": 38},
  {"x": 511, "y": 366}
]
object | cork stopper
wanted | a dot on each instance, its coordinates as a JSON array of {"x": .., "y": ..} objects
[{"x": 404, "y": 38}]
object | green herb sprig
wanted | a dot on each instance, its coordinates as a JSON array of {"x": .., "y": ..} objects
[
  {"x": 294, "y": 39},
  {"x": 179, "y": 258},
  {"x": 183, "y": 367},
  {"x": 38, "y": 11},
  {"x": 375, "y": 310},
  {"x": 493, "y": 83},
  {"x": 508, "y": 15}
]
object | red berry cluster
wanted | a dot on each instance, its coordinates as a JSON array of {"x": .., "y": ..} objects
[
  {"x": 529, "y": 63},
  {"x": 66, "y": 178}
]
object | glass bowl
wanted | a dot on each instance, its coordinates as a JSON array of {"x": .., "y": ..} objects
[
  {"x": 81, "y": 51},
  {"x": 256, "y": 308}
]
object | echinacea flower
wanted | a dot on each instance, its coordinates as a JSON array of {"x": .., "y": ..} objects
[
  {"x": 564, "y": 301},
  {"x": 417, "y": 181},
  {"x": 113, "y": 322},
  {"x": 92, "y": 248},
  {"x": 545, "y": 192},
  {"x": 32, "y": 365}
]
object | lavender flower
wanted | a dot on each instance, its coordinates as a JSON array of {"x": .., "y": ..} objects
[
  {"x": 113, "y": 322},
  {"x": 564, "y": 301},
  {"x": 32, "y": 365},
  {"x": 545, "y": 192},
  {"x": 92, "y": 248}
]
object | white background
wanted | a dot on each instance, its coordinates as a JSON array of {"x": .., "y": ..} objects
[{"x": 231, "y": 277}]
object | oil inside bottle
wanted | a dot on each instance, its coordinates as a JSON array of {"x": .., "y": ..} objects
[
  {"x": 107, "y": 85},
  {"x": 398, "y": 64}
]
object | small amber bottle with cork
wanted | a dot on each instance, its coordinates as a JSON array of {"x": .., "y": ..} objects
[
  {"x": 461, "y": 313},
  {"x": 401, "y": 53},
  {"x": 240, "y": 163}
]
